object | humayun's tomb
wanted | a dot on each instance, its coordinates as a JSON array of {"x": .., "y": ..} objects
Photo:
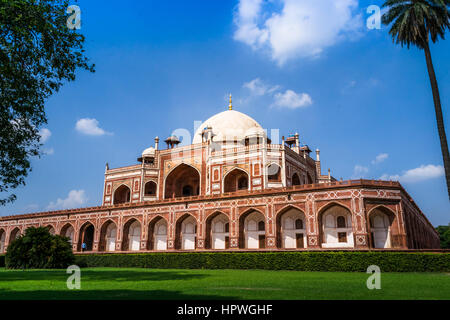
[{"x": 233, "y": 189}]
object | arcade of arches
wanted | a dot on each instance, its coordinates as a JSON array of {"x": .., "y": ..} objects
[{"x": 333, "y": 226}]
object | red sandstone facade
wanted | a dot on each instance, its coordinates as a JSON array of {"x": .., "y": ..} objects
[{"x": 240, "y": 193}]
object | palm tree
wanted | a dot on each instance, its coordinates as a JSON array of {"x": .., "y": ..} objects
[{"x": 416, "y": 22}]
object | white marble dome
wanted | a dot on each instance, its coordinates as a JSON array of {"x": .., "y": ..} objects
[
  {"x": 149, "y": 152},
  {"x": 228, "y": 126}
]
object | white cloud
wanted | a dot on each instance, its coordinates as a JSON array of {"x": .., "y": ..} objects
[
  {"x": 48, "y": 151},
  {"x": 380, "y": 158},
  {"x": 359, "y": 171},
  {"x": 424, "y": 172},
  {"x": 90, "y": 127},
  {"x": 292, "y": 100},
  {"x": 45, "y": 135},
  {"x": 258, "y": 88},
  {"x": 74, "y": 199},
  {"x": 303, "y": 28}
]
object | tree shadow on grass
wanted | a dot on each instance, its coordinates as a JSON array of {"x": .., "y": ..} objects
[
  {"x": 6, "y": 294},
  {"x": 101, "y": 275}
]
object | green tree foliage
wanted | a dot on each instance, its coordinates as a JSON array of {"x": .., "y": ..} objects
[
  {"x": 416, "y": 22},
  {"x": 38, "y": 249},
  {"x": 38, "y": 53},
  {"x": 444, "y": 235}
]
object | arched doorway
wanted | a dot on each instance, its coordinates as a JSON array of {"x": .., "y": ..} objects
[
  {"x": 157, "y": 234},
  {"x": 122, "y": 195},
  {"x": 14, "y": 235},
  {"x": 150, "y": 189},
  {"x": 108, "y": 236},
  {"x": 86, "y": 236},
  {"x": 51, "y": 230},
  {"x": 336, "y": 224},
  {"x": 2, "y": 240},
  {"x": 183, "y": 181},
  {"x": 131, "y": 235},
  {"x": 291, "y": 229},
  {"x": 252, "y": 230},
  {"x": 274, "y": 173},
  {"x": 186, "y": 233},
  {"x": 235, "y": 180},
  {"x": 68, "y": 232},
  {"x": 295, "y": 179},
  {"x": 380, "y": 229},
  {"x": 217, "y": 232}
]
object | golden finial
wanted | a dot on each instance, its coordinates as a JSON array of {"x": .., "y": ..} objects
[{"x": 230, "y": 107}]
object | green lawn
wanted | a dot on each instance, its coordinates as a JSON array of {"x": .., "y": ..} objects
[{"x": 133, "y": 283}]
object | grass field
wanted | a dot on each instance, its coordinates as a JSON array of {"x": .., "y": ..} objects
[{"x": 133, "y": 283}]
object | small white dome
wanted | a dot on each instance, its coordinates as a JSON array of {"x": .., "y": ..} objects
[
  {"x": 149, "y": 152},
  {"x": 228, "y": 126}
]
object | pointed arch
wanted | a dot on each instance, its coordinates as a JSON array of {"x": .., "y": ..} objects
[
  {"x": 217, "y": 231},
  {"x": 122, "y": 194},
  {"x": 251, "y": 235},
  {"x": 14, "y": 234},
  {"x": 274, "y": 172},
  {"x": 86, "y": 236},
  {"x": 380, "y": 227},
  {"x": 182, "y": 181},
  {"x": 157, "y": 233},
  {"x": 236, "y": 179},
  {"x": 51, "y": 228},
  {"x": 108, "y": 236},
  {"x": 186, "y": 232},
  {"x": 2, "y": 240},
  {"x": 150, "y": 189},
  {"x": 336, "y": 230},
  {"x": 291, "y": 228},
  {"x": 295, "y": 179},
  {"x": 132, "y": 230},
  {"x": 68, "y": 231}
]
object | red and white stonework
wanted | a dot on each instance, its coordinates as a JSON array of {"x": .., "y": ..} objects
[{"x": 233, "y": 189}]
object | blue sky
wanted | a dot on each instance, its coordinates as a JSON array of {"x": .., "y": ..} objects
[{"x": 161, "y": 65}]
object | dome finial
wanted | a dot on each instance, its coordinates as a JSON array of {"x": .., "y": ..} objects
[{"x": 230, "y": 107}]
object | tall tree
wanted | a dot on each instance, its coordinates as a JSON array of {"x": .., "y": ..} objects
[
  {"x": 38, "y": 53},
  {"x": 416, "y": 22}
]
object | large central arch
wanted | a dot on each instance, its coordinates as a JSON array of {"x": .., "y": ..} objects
[{"x": 183, "y": 181}]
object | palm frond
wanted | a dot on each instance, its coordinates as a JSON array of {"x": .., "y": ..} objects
[{"x": 415, "y": 22}]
